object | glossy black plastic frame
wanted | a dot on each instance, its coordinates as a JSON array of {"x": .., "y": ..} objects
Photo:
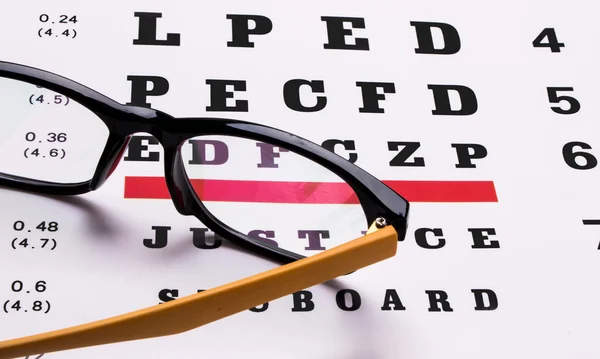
[{"x": 376, "y": 198}]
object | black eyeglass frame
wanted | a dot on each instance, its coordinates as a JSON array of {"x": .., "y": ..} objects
[{"x": 376, "y": 198}]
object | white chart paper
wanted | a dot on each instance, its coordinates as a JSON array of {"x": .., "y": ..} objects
[{"x": 494, "y": 134}]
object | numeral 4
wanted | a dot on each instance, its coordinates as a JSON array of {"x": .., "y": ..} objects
[{"x": 552, "y": 43}]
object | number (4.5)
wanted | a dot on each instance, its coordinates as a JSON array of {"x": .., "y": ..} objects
[{"x": 552, "y": 43}]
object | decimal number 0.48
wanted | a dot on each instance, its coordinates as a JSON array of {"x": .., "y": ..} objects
[{"x": 42, "y": 226}]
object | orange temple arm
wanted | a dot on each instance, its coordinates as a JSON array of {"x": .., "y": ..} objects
[{"x": 196, "y": 310}]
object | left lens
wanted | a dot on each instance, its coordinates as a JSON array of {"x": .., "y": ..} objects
[
  {"x": 273, "y": 194},
  {"x": 47, "y": 136}
]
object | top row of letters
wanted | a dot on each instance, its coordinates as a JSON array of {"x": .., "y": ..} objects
[{"x": 340, "y": 36}]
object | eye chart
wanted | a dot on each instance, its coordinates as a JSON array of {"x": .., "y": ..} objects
[{"x": 482, "y": 114}]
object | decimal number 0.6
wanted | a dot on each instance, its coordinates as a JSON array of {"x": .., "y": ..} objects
[{"x": 17, "y": 286}]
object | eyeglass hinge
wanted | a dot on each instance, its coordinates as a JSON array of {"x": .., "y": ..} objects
[{"x": 379, "y": 223}]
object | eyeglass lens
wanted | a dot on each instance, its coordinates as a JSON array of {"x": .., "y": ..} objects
[{"x": 46, "y": 136}]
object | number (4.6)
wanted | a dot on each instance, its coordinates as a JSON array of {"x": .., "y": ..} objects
[{"x": 550, "y": 34}]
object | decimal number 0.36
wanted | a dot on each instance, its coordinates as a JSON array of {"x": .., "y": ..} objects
[{"x": 51, "y": 137}]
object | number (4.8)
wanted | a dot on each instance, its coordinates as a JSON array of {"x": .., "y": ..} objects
[{"x": 550, "y": 34}]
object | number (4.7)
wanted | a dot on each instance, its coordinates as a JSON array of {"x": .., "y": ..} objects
[{"x": 550, "y": 34}]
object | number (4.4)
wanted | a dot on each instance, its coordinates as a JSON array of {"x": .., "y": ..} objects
[{"x": 552, "y": 43}]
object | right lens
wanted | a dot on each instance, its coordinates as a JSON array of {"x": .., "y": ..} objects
[
  {"x": 46, "y": 136},
  {"x": 273, "y": 194}
]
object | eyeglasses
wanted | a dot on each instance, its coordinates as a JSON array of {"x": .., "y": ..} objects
[{"x": 265, "y": 190}]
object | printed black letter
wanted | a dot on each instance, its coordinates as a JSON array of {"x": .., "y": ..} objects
[
  {"x": 371, "y": 97},
  {"x": 291, "y": 95},
  {"x": 303, "y": 301},
  {"x": 336, "y": 33},
  {"x": 140, "y": 91},
  {"x": 240, "y": 29},
  {"x": 438, "y": 297},
  {"x": 421, "y": 238},
  {"x": 160, "y": 237},
  {"x": 355, "y": 302},
  {"x": 405, "y": 153},
  {"x": 480, "y": 302},
  {"x": 347, "y": 144},
  {"x": 392, "y": 298},
  {"x": 479, "y": 238},
  {"x": 464, "y": 155},
  {"x": 147, "y": 31},
  {"x": 138, "y": 144},
  {"x": 441, "y": 98},
  {"x": 219, "y": 95},
  {"x": 425, "y": 38}
]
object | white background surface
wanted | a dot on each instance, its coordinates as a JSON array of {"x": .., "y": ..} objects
[{"x": 543, "y": 273}]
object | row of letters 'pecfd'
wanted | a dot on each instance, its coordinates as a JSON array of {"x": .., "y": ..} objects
[
  {"x": 340, "y": 34},
  {"x": 227, "y": 96}
]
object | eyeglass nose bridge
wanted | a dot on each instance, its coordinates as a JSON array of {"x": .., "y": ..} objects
[
  {"x": 115, "y": 149},
  {"x": 183, "y": 197}
]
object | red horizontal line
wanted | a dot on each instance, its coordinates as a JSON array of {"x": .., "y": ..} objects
[{"x": 311, "y": 192}]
